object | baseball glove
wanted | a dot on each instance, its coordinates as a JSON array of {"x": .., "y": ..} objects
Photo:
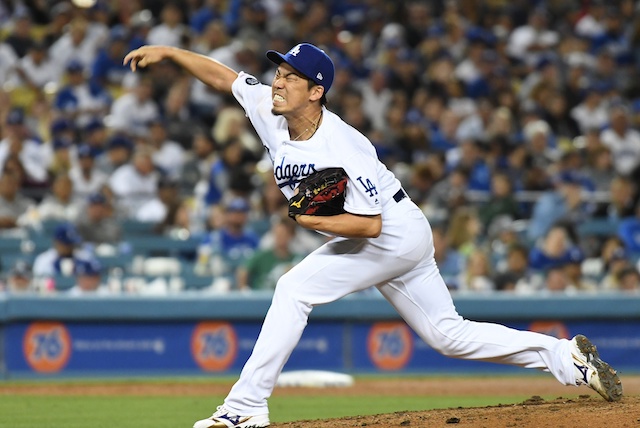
[{"x": 321, "y": 193}]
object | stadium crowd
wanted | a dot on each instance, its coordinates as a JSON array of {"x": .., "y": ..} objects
[{"x": 513, "y": 124}]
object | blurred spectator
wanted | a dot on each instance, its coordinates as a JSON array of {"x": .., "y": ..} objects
[
  {"x": 64, "y": 253},
  {"x": 61, "y": 157},
  {"x": 450, "y": 262},
  {"x": 556, "y": 113},
  {"x": 263, "y": 269},
  {"x": 12, "y": 204},
  {"x": 475, "y": 126},
  {"x": 530, "y": 42},
  {"x": 36, "y": 69},
  {"x": 591, "y": 24},
  {"x": 57, "y": 19},
  {"x": 135, "y": 183},
  {"x": 502, "y": 234},
  {"x": 20, "y": 278},
  {"x": 229, "y": 246},
  {"x": 617, "y": 262},
  {"x": 477, "y": 276},
  {"x": 515, "y": 275},
  {"x": 209, "y": 11},
  {"x": 95, "y": 135},
  {"x": 79, "y": 100},
  {"x": 554, "y": 250},
  {"x": 98, "y": 225},
  {"x": 74, "y": 46},
  {"x": 629, "y": 231},
  {"x": 167, "y": 155},
  {"x": 447, "y": 195},
  {"x": 599, "y": 168},
  {"x": 20, "y": 36},
  {"x": 591, "y": 113},
  {"x": 178, "y": 222},
  {"x": 88, "y": 274},
  {"x": 302, "y": 241},
  {"x": 469, "y": 156},
  {"x": 166, "y": 200},
  {"x": 537, "y": 134},
  {"x": 501, "y": 201},
  {"x": 629, "y": 280},
  {"x": 376, "y": 98},
  {"x": 34, "y": 157},
  {"x": 573, "y": 270},
  {"x": 556, "y": 280},
  {"x": 198, "y": 162},
  {"x": 131, "y": 112},
  {"x": 59, "y": 205},
  {"x": 622, "y": 193},
  {"x": 565, "y": 203},
  {"x": 231, "y": 124},
  {"x": 171, "y": 31},
  {"x": 118, "y": 152},
  {"x": 229, "y": 170},
  {"x": 623, "y": 140},
  {"x": 108, "y": 69},
  {"x": 421, "y": 180},
  {"x": 464, "y": 231},
  {"x": 8, "y": 60},
  {"x": 86, "y": 178}
]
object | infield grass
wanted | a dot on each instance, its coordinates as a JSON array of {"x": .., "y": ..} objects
[{"x": 30, "y": 411}]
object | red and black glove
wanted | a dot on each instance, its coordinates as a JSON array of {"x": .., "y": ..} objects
[{"x": 321, "y": 193}]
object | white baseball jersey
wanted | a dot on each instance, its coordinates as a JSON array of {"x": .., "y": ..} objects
[
  {"x": 399, "y": 262},
  {"x": 335, "y": 144}
]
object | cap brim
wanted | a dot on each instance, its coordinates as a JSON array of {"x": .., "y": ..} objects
[
  {"x": 278, "y": 58},
  {"x": 275, "y": 57}
]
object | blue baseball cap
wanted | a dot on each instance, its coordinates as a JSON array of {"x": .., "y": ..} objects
[
  {"x": 15, "y": 116},
  {"x": 94, "y": 124},
  {"x": 85, "y": 151},
  {"x": 75, "y": 66},
  {"x": 238, "y": 205},
  {"x": 311, "y": 61},
  {"x": 67, "y": 234},
  {"x": 61, "y": 143},
  {"x": 90, "y": 267},
  {"x": 61, "y": 125},
  {"x": 97, "y": 198},
  {"x": 118, "y": 141}
]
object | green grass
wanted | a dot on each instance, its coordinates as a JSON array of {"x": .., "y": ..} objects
[{"x": 29, "y": 411}]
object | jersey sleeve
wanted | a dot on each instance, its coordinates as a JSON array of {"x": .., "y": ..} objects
[
  {"x": 255, "y": 98},
  {"x": 363, "y": 190}
]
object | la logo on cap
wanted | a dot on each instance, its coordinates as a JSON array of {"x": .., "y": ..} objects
[{"x": 295, "y": 51}]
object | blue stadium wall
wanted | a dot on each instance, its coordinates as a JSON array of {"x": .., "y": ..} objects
[{"x": 200, "y": 334}]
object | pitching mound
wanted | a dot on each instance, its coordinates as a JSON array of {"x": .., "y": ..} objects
[
  {"x": 585, "y": 411},
  {"x": 574, "y": 407}
]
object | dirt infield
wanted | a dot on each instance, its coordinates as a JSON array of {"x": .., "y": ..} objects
[{"x": 573, "y": 407}]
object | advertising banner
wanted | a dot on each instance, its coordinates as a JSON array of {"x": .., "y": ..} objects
[
  {"x": 394, "y": 347},
  {"x": 54, "y": 347},
  {"x": 51, "y": 347}
]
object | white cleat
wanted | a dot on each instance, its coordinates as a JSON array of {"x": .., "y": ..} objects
[
  {"x": 223, "y": 418},
  {"x": 592, "y": 371}
]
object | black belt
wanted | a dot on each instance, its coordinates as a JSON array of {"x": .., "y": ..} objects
[{"x": 400, "y": 195}]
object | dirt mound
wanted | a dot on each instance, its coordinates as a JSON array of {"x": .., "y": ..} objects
[{"x": 584, "y": 411}]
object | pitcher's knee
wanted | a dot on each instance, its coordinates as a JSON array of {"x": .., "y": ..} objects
[
  {"x": 289, "y": 290},
  {"x": 451, "y": 339}
]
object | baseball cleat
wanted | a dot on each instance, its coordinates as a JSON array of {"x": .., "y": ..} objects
[
  {"x": 592, "y": 371},
  {"x": 223, "y": 418}
]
